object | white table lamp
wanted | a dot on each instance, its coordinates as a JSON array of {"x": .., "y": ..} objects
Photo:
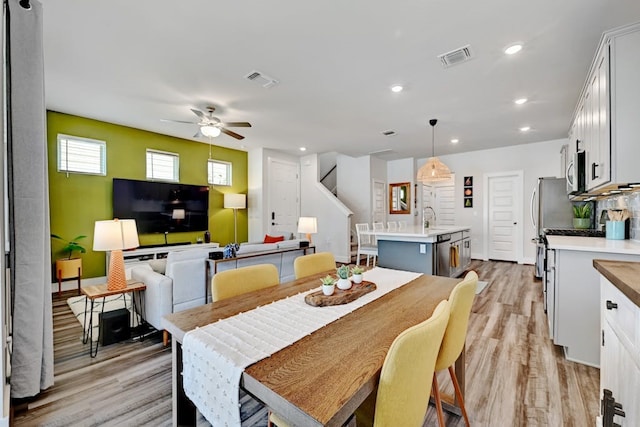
[
  {"x": 178, "y": 214},
  {"x": 115, "y": 235},
  {"x": 235, "y": 202},
  {"x": 308, "y": 225}
]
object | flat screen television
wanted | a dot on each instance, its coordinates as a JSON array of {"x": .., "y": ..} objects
[{"x": 160, "y": 207}]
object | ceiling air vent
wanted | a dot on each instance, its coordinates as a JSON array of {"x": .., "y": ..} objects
[
  {"x": 389, "y": 132},
  {"x": 261, "y": 79},
  {"x": 456, "y": 56}
]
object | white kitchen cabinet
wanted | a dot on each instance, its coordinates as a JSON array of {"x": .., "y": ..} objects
[
  {"x": 576, "y": 307},
  {"x": 620, "y": 353},
  {"x": 605, "y": 121},
  {"x": 549, "y": 282}
]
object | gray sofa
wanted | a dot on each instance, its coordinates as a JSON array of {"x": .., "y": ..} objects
[{"x": 182, "y": 282}]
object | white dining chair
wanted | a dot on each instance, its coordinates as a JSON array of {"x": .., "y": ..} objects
[
  {"x": 378, "y": 226},
  {"x": 402, "y": 225},
  {"x": 392, "y": 226},
  {"x": 366, "y": 244}
]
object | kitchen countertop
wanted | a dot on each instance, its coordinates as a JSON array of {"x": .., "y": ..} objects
[
  {"x": 594, "y": 244},
  {"x": 624, "y": 276},
  {"x": 418, "y": 234}
]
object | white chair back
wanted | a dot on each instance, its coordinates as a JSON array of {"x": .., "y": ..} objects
[
  {"x": 392, "y": 226},
  {"x": 378, "y": 226},
  {"x": 402, "y": 225}
]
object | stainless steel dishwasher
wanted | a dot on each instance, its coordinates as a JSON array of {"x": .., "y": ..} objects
[{"x": 446, "y": 245}]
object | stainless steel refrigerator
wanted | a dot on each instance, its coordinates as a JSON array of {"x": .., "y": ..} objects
[{"x": 550, "y": 208}]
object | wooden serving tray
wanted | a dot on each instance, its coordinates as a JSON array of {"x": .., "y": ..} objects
[{"x": 318, "y": 299}]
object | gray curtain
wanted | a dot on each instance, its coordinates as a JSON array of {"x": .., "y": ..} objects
[{"x": 30, "y": 252}]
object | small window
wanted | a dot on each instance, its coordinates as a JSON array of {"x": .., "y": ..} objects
[
  {"x": 81, "y": 155},
  {"x": 219, "y": 172},
  {"x": 163, "y": 166}
]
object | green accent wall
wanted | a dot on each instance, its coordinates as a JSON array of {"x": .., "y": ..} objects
[{"x": 78, "y": 200}]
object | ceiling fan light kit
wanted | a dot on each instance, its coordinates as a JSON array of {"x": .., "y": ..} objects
[
  {"x": 210, "y": 131},
  {"x": 433, "y": 170},
  {"x": 211, "y": 126}
]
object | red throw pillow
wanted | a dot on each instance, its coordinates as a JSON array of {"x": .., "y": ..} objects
[{"x": 272, "y": 239}]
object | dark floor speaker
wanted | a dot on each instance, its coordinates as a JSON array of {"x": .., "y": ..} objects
[{"x": 114, "y": 326}]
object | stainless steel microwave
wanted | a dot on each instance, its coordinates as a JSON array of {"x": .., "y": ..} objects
[{"x": 576, "y": 173}]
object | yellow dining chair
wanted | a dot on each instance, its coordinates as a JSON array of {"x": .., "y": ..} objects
[
  {"x": 309, "y": 265},
  {"x": 461, "y": 300},
  {"x": 406, "y": 371},
  {"x": 229, "y": 283}
]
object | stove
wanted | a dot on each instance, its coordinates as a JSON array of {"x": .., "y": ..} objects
[{"x": 573, "y": 232}]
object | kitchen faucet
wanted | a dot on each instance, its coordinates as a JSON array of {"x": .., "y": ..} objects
[{"x": 425, "y": 221}]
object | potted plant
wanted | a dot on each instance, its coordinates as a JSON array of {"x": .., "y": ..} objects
[
  {"x": 582, "y": 216},
  {"x": 328, "y": 285},
  {"x": 356, "y": 273},
  {"x": 343, "y": 277},
  {"x": 69, "y": 267}
]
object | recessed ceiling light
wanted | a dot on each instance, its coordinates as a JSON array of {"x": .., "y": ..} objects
[
  {"x": 525, "y": 128},
  {"x": 514, "y": 48},
  {"x": 396, "y": 88},
  {"x": 303, "y": 148},
  {"x": 455, "y": 141},
  {"x": 520, "y": 101}
]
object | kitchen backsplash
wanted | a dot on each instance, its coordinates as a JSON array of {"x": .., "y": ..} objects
[{"x": 629, "y": 201}]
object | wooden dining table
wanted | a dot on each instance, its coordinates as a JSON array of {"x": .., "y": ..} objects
[{"x": 321, "y": 379}]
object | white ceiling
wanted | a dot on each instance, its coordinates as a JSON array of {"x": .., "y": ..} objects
[{"x": 136, "y": 62}]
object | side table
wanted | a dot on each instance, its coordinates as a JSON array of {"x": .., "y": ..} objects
[{"x": 100, "y": 291}]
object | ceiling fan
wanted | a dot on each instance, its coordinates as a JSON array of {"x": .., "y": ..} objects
[{"x": 211, "y": 126}]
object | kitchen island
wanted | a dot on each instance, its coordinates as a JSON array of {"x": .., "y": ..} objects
[{"x": 442, "y": 251}]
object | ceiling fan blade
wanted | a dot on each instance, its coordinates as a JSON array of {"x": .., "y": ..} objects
[
  {"x": 178, "y": 121},
  {"x": 231, "y": 133},
  {"x": 237, "y": 124},
  {"x": 198, "y": 113}
]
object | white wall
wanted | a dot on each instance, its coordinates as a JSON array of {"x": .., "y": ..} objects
[
  {"x": 536, "y": 160},
  {"x": 402, "y": 170},
  {"x": 354, "y": 189},
  {"x": 334, "y": 218}
]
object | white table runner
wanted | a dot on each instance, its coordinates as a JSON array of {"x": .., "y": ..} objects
[{"x": 215, "y": 355}]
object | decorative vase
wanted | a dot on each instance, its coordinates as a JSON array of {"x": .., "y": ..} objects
[
  {"x": 582, "y": 223},
  {"x": 344, "y": 284},
  {"x": 357, "y": 278},
  {"x": 328, "y": 289}
]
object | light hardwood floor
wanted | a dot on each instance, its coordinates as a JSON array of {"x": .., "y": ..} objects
[{"x": 515, "y": 375}]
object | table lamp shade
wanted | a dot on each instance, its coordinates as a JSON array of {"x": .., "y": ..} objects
[
  {"x": 178, "y": 214},
  {"x": 115, "y": 235},
  {"x": 308, "y": 225},
  {"x": 235, "y": 201}
]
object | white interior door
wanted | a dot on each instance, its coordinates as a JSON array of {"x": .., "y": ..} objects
[
  {"x": 504, "y": 203},
  {"x": 284, "y": 206},
  {"x": 379, "y": 208},
  {"x": 441, "y": 197}
]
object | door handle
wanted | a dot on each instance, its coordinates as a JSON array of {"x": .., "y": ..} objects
[
  {"x": 611, "y": 305},
  {"x": 593, "y": 170}
]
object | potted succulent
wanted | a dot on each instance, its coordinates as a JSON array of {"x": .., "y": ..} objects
[
  {"x": 582, "y": 216},
  {"x": 69, "y": 267},
  {"x": 328, "y": 285},
  {"x": 343, "y": 277},
  {"x": 356, "y": 274}
]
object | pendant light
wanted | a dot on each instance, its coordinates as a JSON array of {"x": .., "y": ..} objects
[{"x": 434, "y": 170}]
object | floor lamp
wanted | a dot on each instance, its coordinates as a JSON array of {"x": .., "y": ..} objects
[
  {"x": 235, "y": 202},
  {"x": 115, "y": 235}
]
